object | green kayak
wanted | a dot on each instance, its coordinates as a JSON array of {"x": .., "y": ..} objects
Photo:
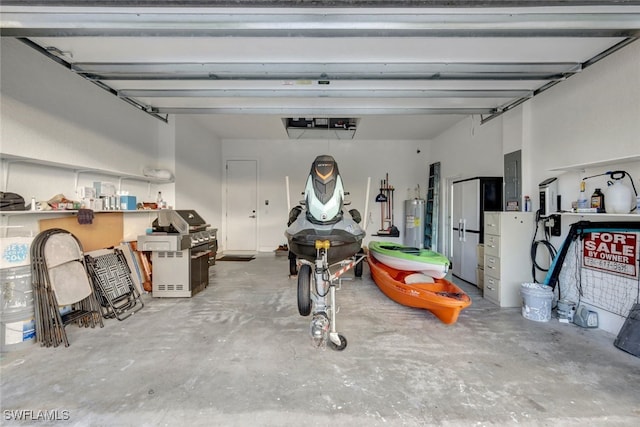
[{"x": 407, "y": 258}]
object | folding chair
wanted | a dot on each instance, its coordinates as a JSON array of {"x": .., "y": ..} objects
[
  {"x": 114, "y": 288},
  {"x": 60, "y": 280}
]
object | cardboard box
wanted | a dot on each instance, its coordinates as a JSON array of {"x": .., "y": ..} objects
[
  {"x": 128, "y": 203},
  {"x": 480, "y": 278},
  {"x": 480, "y": 255}
]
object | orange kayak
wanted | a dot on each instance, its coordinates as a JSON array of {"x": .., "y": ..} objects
[{"x": 444, "y": 299}]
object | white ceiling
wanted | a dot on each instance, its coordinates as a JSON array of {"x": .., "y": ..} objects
[{"x": 405, "y": 72}]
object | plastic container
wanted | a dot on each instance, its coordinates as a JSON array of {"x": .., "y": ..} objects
[
  {"x": 565, "y": 310},
  {"x": 17, "y": 326},
  {"x": 17, "y": 331},
  {"x": 536, "y": 301},
  {"x": 619, "y": 198},
  {"x": 583, "y": 202},
  {"x": 16, "y": 292},
  {"x": 597, "y": 200}
]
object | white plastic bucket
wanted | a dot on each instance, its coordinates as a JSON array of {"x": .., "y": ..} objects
[
  {"x": 17, "y": 325},
  {"x": 17, "y": 331},
  {"x": 536, "y": 301}
]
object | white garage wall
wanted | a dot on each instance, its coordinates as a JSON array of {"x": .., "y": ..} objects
[
  {"x": 470, "y": 149},
  {"x": 198, "y": 165},
  {"x": 357, "y": 160},
  {"x": 52, "y": 114},
  {"x": 592, "y": 116}
]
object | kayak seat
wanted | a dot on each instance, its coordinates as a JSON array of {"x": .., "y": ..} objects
[{"x": 403, "y": 249}]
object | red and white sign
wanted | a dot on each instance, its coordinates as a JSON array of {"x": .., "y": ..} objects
[{"x": 613, "y": 252}]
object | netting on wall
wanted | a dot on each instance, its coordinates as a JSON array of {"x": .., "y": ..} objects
[{"x": 600, "y": 268}]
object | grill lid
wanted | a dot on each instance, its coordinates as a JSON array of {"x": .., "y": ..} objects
[{"x": 182, "y": 221}]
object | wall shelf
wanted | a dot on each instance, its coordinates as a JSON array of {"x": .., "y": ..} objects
[
  {"x": 73, "y": 211},
  {"x": 8, "y": 159},
  {"x": 631, "y": 216},
  {"x": 583, "y": 166}
]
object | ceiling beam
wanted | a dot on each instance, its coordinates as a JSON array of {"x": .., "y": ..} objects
[
  {"x": 322, "y": 93},
  {"x": 327, "y": 71},
  {"x": 297, "y": 22},
  {"x": 322, "y": 112},
  {"x": 317, "y": 3}
]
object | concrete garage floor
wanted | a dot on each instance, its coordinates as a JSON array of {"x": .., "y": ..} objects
[{"x": 239, "y": 354}]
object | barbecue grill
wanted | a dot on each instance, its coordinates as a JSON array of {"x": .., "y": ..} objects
[{"x": 181, "y": 246}]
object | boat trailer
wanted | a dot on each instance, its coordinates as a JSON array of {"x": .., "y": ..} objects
[{"x": 317, "y": 287}]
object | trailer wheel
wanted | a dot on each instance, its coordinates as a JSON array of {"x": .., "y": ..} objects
[
  {"x": 342, "y": 346},
  {"x": 304, "y": 290}
]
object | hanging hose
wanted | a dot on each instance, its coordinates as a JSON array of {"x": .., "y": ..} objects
[{"x": 534, "y": 249}]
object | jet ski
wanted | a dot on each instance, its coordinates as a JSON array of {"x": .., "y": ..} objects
[
  {"x": 323, "y": 218},
  {"x": 321, "y": 235}
]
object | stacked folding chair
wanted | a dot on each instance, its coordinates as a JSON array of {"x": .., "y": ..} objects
[
  {"x": 62, "y": 291},
  {"x": 114, "y": 288}
]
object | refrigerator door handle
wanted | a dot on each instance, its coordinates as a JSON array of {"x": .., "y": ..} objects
[{"x": 464, "y": 230}]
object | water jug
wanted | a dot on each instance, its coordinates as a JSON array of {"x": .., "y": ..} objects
[{"x": 619, "y": 198}]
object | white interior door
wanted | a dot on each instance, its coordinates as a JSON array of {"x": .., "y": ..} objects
[{"x": 242, "y": 204}]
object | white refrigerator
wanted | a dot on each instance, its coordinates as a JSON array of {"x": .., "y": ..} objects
[{"x": 470, "y": 199}]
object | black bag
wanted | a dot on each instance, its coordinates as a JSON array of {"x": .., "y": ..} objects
[{"x": 11, "y": 202}]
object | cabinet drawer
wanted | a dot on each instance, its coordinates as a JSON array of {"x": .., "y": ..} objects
[
  {"x": 492, "y": 245},
  {"x": 492, "y": 223},
  {"x": 491, "y": 288},
  {"x": 492, "y": 265}
]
